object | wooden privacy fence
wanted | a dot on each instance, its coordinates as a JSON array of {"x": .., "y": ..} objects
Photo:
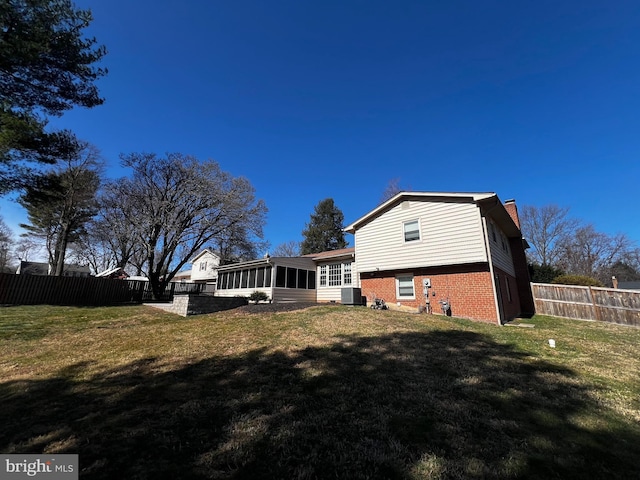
[
  {"x": 36, "y": 290},
  {"x": 588, "y": 303}
]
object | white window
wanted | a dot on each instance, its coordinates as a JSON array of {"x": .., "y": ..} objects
[
  {"x": 335, "y": 274},
  {"x": 323, "y": 275},
  {"x": 203, "y": 266},
  {"x": 411, "y": 231},
  {"x": 347, "y": 273},
  {"x": 404, "y": 287}
]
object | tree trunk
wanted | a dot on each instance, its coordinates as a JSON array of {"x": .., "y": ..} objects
[{"x": 61, "y": 250}]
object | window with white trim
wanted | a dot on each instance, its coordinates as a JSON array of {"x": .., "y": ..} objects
[
  {"x": 411, "y": 230},
  {"x": 335, "y": 274},
  {"x": 404, "y": 287},
  {"x": 347, "y": 274},
  {"x": 203, "y": 266}
]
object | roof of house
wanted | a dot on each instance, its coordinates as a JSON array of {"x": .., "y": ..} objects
[
  {"x": 489, "y": 200},
  {"x": 42, "y": 268},
  {"x": 342, "y": 252},
  {"x": 111, "y": 271},
  {"x": 206, "y": 250},
  {"x": 629, "y": 285}
]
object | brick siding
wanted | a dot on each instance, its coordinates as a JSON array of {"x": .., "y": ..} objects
[{"x": 468, "y": 289}]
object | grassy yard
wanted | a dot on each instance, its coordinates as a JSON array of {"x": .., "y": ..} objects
[{"x": 326, "y": 392}]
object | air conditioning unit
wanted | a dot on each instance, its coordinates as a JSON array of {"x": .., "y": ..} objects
[{"x": 351, "y": 296}]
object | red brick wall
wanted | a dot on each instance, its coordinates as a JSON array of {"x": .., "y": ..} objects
[{"x": 469, "y": 290}]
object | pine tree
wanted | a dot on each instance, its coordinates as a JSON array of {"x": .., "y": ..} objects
[
  {"x": 46, "y": 68},
  {"x": 324, "y": 230}
]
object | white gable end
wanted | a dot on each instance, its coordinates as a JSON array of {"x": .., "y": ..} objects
[{"x": 450, "y": 233}]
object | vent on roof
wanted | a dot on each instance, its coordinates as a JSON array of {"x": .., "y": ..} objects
[{"x": 405, "y": 205}]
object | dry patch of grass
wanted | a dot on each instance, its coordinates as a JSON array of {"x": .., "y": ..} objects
[{"x": 325, "y": 392}]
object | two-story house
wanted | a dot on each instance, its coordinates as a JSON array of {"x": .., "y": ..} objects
[
  {"x": 425, "y": 250},
  {"x": 463, "y": 250}
]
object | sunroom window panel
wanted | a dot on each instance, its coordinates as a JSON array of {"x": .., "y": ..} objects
[
  {"x": 281, "y": 277},
  {"x": 291, "y": 277},
  {"x": 260, "y": 277},
  {"x": 267, "y": 277},
  {"x": 302, "y": 278}
]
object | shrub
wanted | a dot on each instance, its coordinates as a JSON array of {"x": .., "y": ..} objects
[
  {"x": 258, "y": 296},
  {"x": 577, "y": 280},
  {"x": 543, "y": 273}
]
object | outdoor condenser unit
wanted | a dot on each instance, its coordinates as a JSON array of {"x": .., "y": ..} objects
[{"x": 351, "y": 296}]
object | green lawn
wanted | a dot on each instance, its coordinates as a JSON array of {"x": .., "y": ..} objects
[{"x": 326, "y": 392}]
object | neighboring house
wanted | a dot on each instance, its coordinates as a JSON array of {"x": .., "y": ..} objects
[
  {"x": 629, "y": 285},
  {"x": 465, "y": 249},
  {"x": 204, "y": 267},
  {"x": 184, "y": 276},
  {"x": 117, "y": 273},
  {"x": 42, "y": 268}
]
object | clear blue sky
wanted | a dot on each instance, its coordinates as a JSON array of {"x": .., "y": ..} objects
[{"x": 535, "y": 100}]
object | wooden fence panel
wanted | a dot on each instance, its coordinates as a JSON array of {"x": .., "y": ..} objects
[
  {"x": 588, "y": 303},
  {"x": 36, "y": 290}
]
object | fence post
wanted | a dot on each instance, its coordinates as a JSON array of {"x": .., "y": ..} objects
[{"x": 596, "y": 311}]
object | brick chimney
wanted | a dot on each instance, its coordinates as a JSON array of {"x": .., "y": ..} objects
[{"x": 512, "y": 210}]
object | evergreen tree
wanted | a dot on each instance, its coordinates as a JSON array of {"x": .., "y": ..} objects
[
  {"x": 59, "y": 204},
  {"x": 324, "y": 230},
  {"x": 46, "y": 67}
]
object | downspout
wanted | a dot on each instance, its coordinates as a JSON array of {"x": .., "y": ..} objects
[{"x": 491, "y": 272}]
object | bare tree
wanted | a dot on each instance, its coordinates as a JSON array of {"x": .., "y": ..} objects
[
  {"x": 6, "y": 242},
  {"x": 392, "y": 189},
  {"x": 287, "y": 249},
  {"x": 26, "y": 248},
  {"x": 546, "y": 228},
  {"x": 176, "y": 205},
  {"x": 591, "y": 253}
]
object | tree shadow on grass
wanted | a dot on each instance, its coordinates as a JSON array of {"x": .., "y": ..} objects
[{"x": 410, "y": 405}]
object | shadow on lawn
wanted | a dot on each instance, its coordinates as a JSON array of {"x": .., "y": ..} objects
[{"x": 411, "y": 405}]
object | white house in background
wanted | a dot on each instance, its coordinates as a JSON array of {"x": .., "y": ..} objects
[{"x": 204, "y": 267}]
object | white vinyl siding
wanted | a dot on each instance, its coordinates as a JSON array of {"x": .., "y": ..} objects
[
  {"x": 205, "y": 267},
  {"x": 500, "y": 249},
  {"x": 327, "y": 293},
  {"x": 450, "y": 232}
]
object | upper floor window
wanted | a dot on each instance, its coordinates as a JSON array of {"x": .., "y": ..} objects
[
  {"x": 203, "y": 266},
  {"x": 411, "y": 231}
]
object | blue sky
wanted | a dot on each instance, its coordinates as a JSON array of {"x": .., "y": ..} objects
[{"x": 534, "y": 100}]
